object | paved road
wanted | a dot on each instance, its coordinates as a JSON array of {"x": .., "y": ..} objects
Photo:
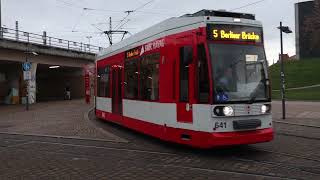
[{"x": 52, "y": 142}]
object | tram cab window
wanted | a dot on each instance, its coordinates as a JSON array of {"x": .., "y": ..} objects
[
  {"x": 185, "y": 60},
  {"x": 149, "y": 77},
  {"x": 103, "y": 82},
  {"x": 203, "y": 75},
  {"x": 131, "y": 78}
]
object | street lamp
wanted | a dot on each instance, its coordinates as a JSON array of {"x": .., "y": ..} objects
[{"x": 286, "y": 30}]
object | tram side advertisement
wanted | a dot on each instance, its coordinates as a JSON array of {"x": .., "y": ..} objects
[{"x": 234, "y": 33}]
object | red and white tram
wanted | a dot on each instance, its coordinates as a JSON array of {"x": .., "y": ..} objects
[{"x": 200, "y": 79}]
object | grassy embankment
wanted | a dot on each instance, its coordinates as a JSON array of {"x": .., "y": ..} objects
[{"x": 298, "y": 74}]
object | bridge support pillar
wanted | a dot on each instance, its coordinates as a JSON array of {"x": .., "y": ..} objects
[{"x": 32, "y": 88}]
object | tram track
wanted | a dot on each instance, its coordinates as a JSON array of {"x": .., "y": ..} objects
[
  {"x": 143, "y": 150},
  {"x": 297, "y": 124},
  {"x": 198, "y": 155},
  {"x": 163, "y": 164},
  {"x": 308, "y": 169},
  {"x": 132, "y": 149},
  {"x": 225, "y": 171},
  {"x": 294, "y": 155},
  {"x": 283, "y": 165},
  {"x": 298, "y": 130},
  {"x": 177, "y": 152},
  {"x": 298, "y": 136},
  {"x": 243, "y": 160},
  {"x": 287, "y": 154},
  {"x": 248, "y": 157}
]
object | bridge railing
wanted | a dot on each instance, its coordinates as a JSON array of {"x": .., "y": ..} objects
[{"x": 22, "y": 36}]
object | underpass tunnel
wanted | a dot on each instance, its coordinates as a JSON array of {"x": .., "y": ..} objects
[
  {"x": 11, "y": 82},
  {"x": 52, "y": 81}
]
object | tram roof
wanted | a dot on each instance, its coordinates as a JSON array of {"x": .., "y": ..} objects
[{"x": 176, "y": 25}]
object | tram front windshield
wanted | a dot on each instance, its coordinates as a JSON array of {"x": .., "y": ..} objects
[{"x": 239, "y": 72}]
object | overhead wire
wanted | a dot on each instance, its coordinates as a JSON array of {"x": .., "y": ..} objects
[
  {"x": 119, "y": 11},
  {"x": 122, "y": 22},
  {"x": 78, "y": 21},
  {"x": 247, "y": 5},
  {"x": 142, "y": 6},
  {"x": 67, "y": 3},
  {"x": 119, "y": 25}
]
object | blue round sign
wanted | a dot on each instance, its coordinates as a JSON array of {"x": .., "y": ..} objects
[{"x": 26, "y": 66}]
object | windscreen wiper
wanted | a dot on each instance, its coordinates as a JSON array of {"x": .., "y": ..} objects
[
  {"x": 253, "y": 95},
  {"x": 252, "y": 98}
]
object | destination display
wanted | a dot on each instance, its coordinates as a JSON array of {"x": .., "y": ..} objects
[
  {"x": 222, "y": 32},
  {"x": 133, "y": 52}
]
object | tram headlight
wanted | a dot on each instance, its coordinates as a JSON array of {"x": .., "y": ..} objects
[
  {"x": 228, "y": 111},
  {"x": 222, "y": 111},
  {"x": 265, "y": 109}
]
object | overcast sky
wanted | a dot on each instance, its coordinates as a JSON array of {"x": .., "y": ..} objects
[{"x": 66, "y": 18}]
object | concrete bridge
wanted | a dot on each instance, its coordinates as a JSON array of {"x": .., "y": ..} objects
[{"x": 56, "y": 64}]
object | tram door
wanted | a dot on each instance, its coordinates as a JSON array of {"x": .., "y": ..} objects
[
  {"x": 185, "y": 80},
  {"x": 117, "y": 89}
]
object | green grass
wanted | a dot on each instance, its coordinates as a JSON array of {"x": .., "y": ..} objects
[
  {"x": 298, "y": 74},
  {"x": 310, "y": 94}
]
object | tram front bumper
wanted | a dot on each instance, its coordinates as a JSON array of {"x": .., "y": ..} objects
[{"x": 241, "y": 137}]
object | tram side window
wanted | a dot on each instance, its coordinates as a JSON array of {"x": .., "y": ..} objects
[
  {"x": 185, "y": 60},
  {"x": 103, "y": 82},
  {"x": 149, "y": 77},
  {"x": 203, "y": 75},
  {"x": 131, "y": 78}
]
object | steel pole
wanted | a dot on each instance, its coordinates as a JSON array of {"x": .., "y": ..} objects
[
  {"x": 282, "y": 76},
  {"x": 0, "y": 14},
  {"x": 27, "y": 92},
  {"x": 0, "y": 19}
]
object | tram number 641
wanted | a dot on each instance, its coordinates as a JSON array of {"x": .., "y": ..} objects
[{"x": 218, "y": 125}]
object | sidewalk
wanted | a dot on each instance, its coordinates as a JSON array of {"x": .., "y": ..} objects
[
  {"x": 301, "y": 112},
  {"x": 66, "y": 119}
]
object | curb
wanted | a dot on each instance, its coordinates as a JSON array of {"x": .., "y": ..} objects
[
  {"x": 297, "y": 124},
  {"x": 117, "y": 138},
  {"x": 58, "y": 137}
]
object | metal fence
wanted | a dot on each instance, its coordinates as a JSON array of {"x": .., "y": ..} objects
[{"x": 22, "y": 36}]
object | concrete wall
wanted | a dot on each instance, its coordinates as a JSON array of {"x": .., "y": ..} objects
[
  {"x": 20, "y": 56},
  {"x": 307, "y": 29},
  {"x": 43, "y": 49}
]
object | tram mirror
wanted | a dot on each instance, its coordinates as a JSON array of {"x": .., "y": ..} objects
[{"x": 187, "y": 55}]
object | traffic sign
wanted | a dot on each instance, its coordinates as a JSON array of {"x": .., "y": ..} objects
[
  {"x": 26, "y": 66},
  {"x": 26, "y": 75}
]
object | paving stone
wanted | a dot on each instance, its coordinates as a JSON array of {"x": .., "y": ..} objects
[
  {"x": 58, "y": 118},
  {"x": 87, "y": 156}
]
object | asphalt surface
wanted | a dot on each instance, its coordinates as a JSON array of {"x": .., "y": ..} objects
[{"x": 64, "y": 144}]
